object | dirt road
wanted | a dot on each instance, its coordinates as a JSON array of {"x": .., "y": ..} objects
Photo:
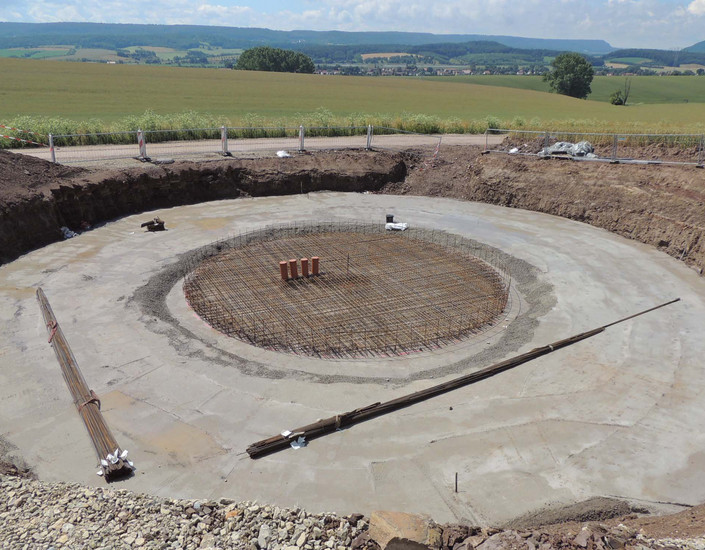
[{"x": 204, "y": 149}]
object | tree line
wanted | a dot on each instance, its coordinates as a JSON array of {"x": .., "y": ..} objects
[{"x": 265, "y": 58}]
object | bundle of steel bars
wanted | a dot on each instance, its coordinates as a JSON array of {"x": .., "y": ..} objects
[{"x": 113, "y": 459}]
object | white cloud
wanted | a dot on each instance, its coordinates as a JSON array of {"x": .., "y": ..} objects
[
  {"x": 224, "y": 10},
  {"x": 214, "y": 14},
  {"x": 697, "y": 7},
  {"x": 624, "y": 23}
]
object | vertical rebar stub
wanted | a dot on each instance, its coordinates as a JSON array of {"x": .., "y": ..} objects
[
  {"x": 314, "y": 265},
  {"x": 304, "y": 267},
  {"x": 294, "y": 269},
  {"x": 284, "y": 270}
]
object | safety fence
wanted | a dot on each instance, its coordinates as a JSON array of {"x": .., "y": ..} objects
[
  {"x": 202, "y": 143},
  {"x": 21, "y": 138},
  {"x": 687, "y": 149},
  {"x": 160, "y": 145}
]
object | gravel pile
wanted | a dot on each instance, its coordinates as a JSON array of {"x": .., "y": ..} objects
[
  {"x": 39, "y": 515},
  {"x": 36, "y": 515}
]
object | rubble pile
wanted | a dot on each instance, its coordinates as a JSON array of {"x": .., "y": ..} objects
[
  {"x": 34, "y": 514},
  {"x": 43, "y": 515}
]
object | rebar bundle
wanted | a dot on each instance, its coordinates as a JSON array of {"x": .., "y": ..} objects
[
  {"x": 378, "y": 292},
  {"x": 113, "y": 459}
]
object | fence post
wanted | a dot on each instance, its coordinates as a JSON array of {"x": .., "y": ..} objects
[
  {"x": 224, "y": 141},
  {"x": 545, "y": 141},
  {"x": 369, "y": 137},
  {"x": 51, "y": 148},
  {"x": 142, "y": 145},
  {"x": 301, "y": 138},
  {"x": 701, "y": 157},
  {"x": 487, "y": 137},
  {"x": 615, "y": 139}
]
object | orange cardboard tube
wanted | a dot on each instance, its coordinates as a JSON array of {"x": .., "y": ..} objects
[
  {"x": 293, "y": 267},
  {"x": 304, "y": 267},
  {"x": 284, "y": 270},
  {"x": 314, "y": 265}
]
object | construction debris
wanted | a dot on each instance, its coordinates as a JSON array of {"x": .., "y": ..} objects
[
  {"x": 396, "y": 226},
  {"x": 154, "y": 225},
  {"x": 113, "y": 459},
  {"x": 391, "y": 225},
  {"x": 67, "y": 233},
  {"x": 580, "y": 149}
]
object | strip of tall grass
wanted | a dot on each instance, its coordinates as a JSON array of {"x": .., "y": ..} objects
[{"x": 192, "y": 125}]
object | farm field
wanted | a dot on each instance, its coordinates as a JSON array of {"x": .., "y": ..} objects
[
  {"x": 70, "y": 53},
  {"x": 83, "y": 92},
  {"x": 168, "y": 54},
  {"x": 645, "y": 89},
  {"x": 36, "y": 53}
]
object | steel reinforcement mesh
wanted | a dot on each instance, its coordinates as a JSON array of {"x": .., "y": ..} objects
[{"x": 377, "y": 292}]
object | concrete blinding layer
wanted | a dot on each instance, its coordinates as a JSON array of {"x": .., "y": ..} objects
[
  {"x": 377, "y": 292},
  {"x": 619, "y": 414}
]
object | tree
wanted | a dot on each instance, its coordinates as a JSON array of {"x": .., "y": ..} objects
[
  {"x": 571, "y": 75},
  {"x": 620, "y": 97},
  {"x": 264, "y": 58},
  {"x": 617, "y": 98}
]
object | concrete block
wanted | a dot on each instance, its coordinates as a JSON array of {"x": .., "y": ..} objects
[{"x": 397, "y": 531}]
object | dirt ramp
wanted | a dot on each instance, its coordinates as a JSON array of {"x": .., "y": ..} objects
[{"x": 593, "y": 509}]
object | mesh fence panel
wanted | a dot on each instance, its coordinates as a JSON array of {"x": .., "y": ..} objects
[
  {"x": 212, "y": 142},
  {"x": 76, "y": 148},
  {"x": 388, "y": 138}
]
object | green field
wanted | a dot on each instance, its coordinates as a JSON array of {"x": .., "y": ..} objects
[
  {"x": 168, "y": 54},
  {"x": 34, "y": 53},
  {"x": 50, "y": 53},
  {"x": 69, "y": 53},
  {"x": 630, "y": 60},
  {"x": 64, "y": 97},
  {"x": 645, "y": 89}
]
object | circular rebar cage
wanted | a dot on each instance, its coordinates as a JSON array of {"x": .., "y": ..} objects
[{"x": 371, "y": 291}]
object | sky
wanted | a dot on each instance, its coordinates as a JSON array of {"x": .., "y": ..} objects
[{"x": 663, "y": 24}]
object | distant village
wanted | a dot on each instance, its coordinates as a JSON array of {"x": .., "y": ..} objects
[
  {"x": 421, "y": 71},
  {"x": 413, "y": 70}
]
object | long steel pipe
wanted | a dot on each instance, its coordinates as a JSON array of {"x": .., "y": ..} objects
[{"x": 329, "y": 425}]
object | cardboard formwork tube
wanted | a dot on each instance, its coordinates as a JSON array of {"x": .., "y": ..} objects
[
  {"x": 284, "y": 271},
  {"x": 293, "y": 267},
  {"x": 315, "y": 265},
  {"x": 304, "y": 267}
]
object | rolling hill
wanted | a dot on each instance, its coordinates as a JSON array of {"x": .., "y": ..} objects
[{"x": 115, "y": 36}]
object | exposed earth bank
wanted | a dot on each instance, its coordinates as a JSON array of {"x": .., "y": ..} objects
[
  {"x": 37, "y": 198},
  {"x": 662, "y": 206}
]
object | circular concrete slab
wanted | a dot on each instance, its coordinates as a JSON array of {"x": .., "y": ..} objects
[
  {"x": 376, "y": 292},
  {"x": 619, "y": 414}
]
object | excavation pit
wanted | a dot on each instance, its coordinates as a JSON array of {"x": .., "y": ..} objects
[{"x": 376, "y": 292}]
